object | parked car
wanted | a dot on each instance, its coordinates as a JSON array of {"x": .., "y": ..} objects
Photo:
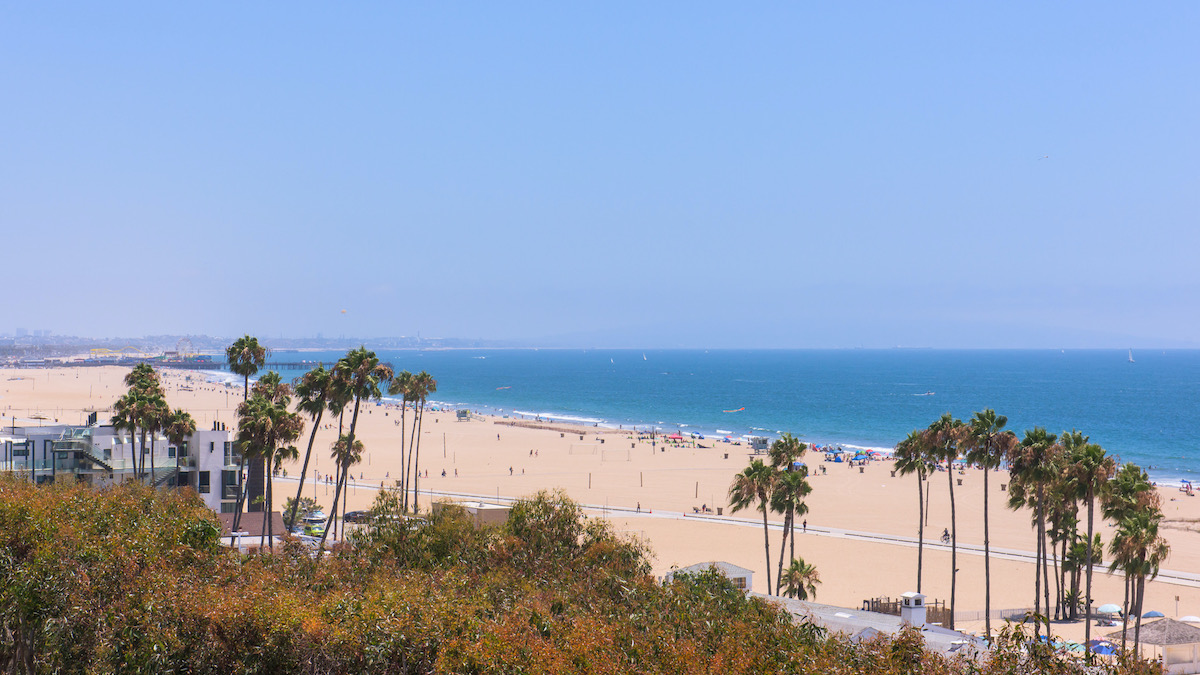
[{"x": 358, "y": 517}]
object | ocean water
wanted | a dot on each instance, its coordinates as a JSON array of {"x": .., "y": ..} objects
[{"x": 1146, "y": 412}]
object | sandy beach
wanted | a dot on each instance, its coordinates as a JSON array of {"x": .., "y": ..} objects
[{"x": 861, "y": 526}]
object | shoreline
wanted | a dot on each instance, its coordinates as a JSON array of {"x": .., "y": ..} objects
[{"x": 484, "y": 457}]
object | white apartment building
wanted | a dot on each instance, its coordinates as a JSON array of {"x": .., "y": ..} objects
[{"x": 100, "y": 455}]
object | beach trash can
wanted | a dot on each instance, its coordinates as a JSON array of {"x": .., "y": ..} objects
[
  {"x": 1003, "y": 487},
  {"x": 862, "y": 469},
  {"x": 893, "y": 474},
  {"x": 601, "y": 441},
  {"x": 720, "y": 509},
  {"x": 727, "y": 455},
  {"x": 960, "y": 481},
  {"x": 561, "y": 435}
]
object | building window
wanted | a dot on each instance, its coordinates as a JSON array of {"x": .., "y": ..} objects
[
  {"x": 228, "y": 507},
  {"x": 212, "y": 445},
  {"x": 739, "y": 583},
  {"x": 171, "y": 451},
  {"x": 228, "y": 453},
  {"x": 183, "y": 449},
  {"x": 204, "y": 487}
]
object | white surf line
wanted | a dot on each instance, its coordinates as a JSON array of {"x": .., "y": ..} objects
[{"x": 1175, "y": 577}]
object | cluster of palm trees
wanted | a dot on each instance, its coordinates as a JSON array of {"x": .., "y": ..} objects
[
  {"x": 359, "y": 377},
  {"x": 779, "y": 487},
  {"x": 266, "y": 429},
  {"x": 143, "y": 411},
  {"x": 1057, "y": 477}
]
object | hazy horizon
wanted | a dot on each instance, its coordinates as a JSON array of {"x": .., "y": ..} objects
[{"x": 624, "y": 175}]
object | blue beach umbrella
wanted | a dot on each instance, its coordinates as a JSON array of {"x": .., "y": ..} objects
[{"x": 1152, "y": 614}]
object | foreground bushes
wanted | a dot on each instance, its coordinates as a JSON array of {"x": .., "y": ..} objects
[{"x": 133, "y": 580}]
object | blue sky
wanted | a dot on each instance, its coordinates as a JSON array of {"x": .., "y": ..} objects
[{"x": 606, "y": 174}]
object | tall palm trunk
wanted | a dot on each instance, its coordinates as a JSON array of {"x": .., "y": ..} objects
[
  {"x": 1037, "y": 571},
  {"x": 1045, "y": 573},
  {"x": 417, "y": 456},
  {"x": 953, "y": 543},
  {"x": 1137, "y": 626},
  {"x": 987, "y": 561},
  {"x": 304, "y": 468},
  {"x": 141, "y": 458},
  {"x": 1125, "y": 614},
  {"x": 242, "y": 485},
  {"x": 792, "y": 533},
  {"x": 133, "y": 457},
  {"x": 345, "y": 470},
  {"x": 403, "y": 455},
  {"x": 787, "y": 526},
  {"x": 409, "y": 471},
  {"x": 1087, "y": 606},
  {"x": 153, "y": 478},
  {"x": 1060, "y": 611},
  {"x": 271, "y": 506},
  {"x": 337, "y": 493},
  {"x": 920, "y": 526},
  {"x": 766, "y": 542}
]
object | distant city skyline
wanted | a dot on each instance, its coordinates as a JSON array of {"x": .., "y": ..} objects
[{"x": 1024, "y": 175}]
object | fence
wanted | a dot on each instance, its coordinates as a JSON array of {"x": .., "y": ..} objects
[
  {"x": 996, "y": 614},
  {"x": 935, "y": 610}
]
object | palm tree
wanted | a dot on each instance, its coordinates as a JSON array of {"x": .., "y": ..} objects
[
  {"x": 790, "y": 491},
  {"x": 314, "y": 392},
  {"x": 800, "y": 580},
  {"x": 423, "y": 385},
  {"x": 1140, "y": 551},
  {"x": 986, "y": 444},
  {"x": 346, "y": 453},
  {"x": 944, "y": 435},
  {"x": 245, "y": 356},
  {"x": 179, "y": 426},
  {"x": 1129, "y": 492},
  {"x": 401, "y": 385},
  {"x": 155, "y": 420},
  {"x": 912, "y": 456},
  {"x": 358, "y": 374},
  {"x": 1091, "y": 469},
  {"x": 755, "y": 483},
  {"x": 1031, "y": 469},
  {"x": 266, "y": 425},
  {"x": 125, "y": 418}
]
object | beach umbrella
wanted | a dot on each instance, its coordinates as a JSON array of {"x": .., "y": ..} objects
[
  {"x": 1152, "y": 614},
  {"x": 1191, "y": 619},
  {"x": 1110, "y": 608},
  {"x": 1099, "y": 646}
]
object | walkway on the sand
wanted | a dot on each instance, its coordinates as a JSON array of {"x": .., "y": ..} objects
[{"x": 1164, "y": 576}]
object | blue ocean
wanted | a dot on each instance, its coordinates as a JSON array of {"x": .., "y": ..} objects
[{"x": 1140, "y": 410}]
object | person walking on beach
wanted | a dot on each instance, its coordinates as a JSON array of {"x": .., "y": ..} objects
[
  {"x": 805, "y": 524},
  {"x": 510, "y": 470},
  {"x": 639, "y": 507}
]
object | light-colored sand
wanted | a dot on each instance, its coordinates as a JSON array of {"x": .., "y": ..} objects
[{"x": 670, "y": 481}]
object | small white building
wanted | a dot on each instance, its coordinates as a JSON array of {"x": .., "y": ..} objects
[
  {"x": 742, "y": 578},
  {"x": 1178, "y": 642},
  {"x": 912, "y": 608}
]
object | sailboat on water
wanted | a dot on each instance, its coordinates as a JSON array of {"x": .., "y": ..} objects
[{"x": 1131, "y": 356}]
